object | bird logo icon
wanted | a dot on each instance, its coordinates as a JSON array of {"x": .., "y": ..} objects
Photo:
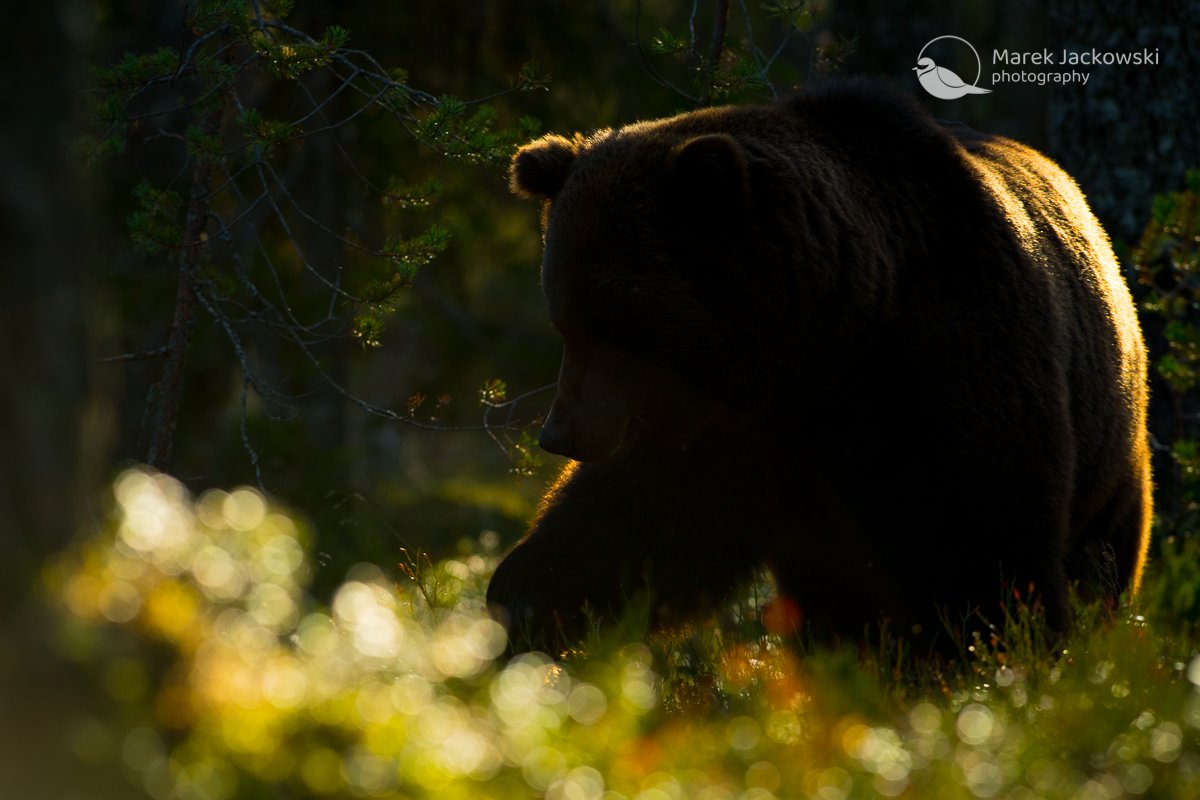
[{"x": 944, "y": 83}]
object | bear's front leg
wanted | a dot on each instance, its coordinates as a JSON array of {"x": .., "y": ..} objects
[
  {"x": 681, "y": 526},
  {"x": 584, "y": 556}
]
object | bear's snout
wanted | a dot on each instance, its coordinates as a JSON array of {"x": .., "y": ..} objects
[{"x": 556, "y": 436}]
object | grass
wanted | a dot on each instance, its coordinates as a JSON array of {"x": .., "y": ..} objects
[{"x": 228, "y": 679}]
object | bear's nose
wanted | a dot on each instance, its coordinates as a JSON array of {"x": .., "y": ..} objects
[{"x": 556, "y": 437}]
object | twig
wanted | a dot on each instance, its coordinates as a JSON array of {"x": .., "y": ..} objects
[
  {"x": 511, "y": 405},
  {"x": 713, "y": 61},
  {"x": 645, "y": 59},
  {"x": 262, "y": 198},
  {"x": 157, "y": 352},
  {"x": 692, "y": 28},
  {"x": 760, "y": 60},
  {"x": 244, "y": 428}
]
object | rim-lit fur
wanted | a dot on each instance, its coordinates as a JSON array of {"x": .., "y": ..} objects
[{"x": 895, "y": 361}]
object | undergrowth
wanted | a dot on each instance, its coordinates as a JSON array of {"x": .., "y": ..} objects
[{"x": 228, "y": 679}]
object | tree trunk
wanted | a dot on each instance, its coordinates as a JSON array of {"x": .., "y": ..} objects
[
  {"x": 170, "y": 386},
  {"x": 44, "y": 327},
  {"x": 1131, "y": 132},
  {"x": 42, "y": 310}
]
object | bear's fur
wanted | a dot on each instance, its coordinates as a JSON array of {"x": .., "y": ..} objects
[{"x": 893, "y": 360}]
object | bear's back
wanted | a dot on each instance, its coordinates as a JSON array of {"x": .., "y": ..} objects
[{"x": 1011, "y": 242}]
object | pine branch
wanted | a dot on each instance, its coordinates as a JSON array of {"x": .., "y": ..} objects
[
  {"x": 645, "y": 59},
  {"x": 713, "y": 61}
]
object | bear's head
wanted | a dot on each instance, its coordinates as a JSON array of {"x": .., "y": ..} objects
[{"x": 641, "y": 228}]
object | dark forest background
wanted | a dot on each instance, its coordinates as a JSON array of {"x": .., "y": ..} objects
[{"x": 398, "y": 456}]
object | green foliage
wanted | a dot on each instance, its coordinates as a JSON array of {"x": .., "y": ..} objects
[
  {"x": 370, "y": 325},
  {"x": 212, "y": 14},
  {"x": 407, "y": 255},
  {"x": 291, "y": 59},
  {"x": 670, "y": 44},
  {"x": 741, "y": 76},
  {"x": 473, "y": 138},
  {"x": 229, "y": 679},
  {"x": 279, "y": 8},
  {"x": 128, "y": 75},
  {"x": 460, "y": 130},
  {"x": 404, "y": 256},
  {"x": 530, "y": 78},
  {"x": 404, "y": 196},
  {"x": 1168, "y": 265},
  {"x": 525, "y": 456},
  {"x": 437, "y": 585},
  {"x": 731, "y": 65},
  {"x": 155, "y": 226},
  {"x": 832, "y": 52},
  {"x": 266, "y": 133},
  {"x": 1173, "y": 600},
  {"x": 262, "y": 117},
  {"x": 203, "y": 146},
  {"x": 800, "y": 14},
  {"x": 494, "y": 391}
]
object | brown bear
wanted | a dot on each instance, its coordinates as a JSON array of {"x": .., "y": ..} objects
[{"x": 893, "y": 360}]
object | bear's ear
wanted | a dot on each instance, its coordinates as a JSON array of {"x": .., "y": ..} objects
[
  {"x": 539, "y": 169},
  {"x": 711, "y": 165}
]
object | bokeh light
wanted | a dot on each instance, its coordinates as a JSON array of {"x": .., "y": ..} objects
[{"x": 396, "y": 686}]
